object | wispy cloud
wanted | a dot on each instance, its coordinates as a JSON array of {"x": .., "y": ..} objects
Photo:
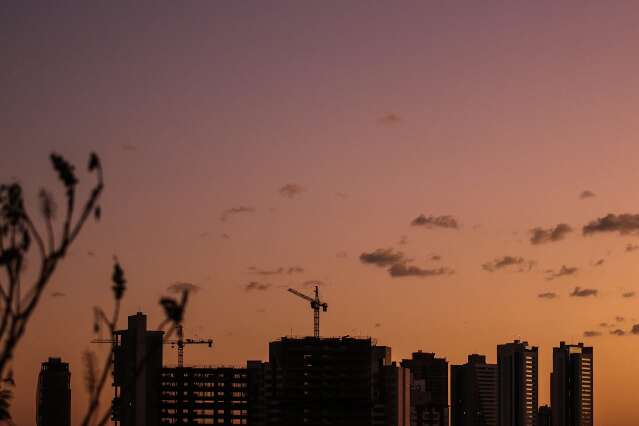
[
  {"x": 583, "y": 292},
  {"x": 445, "y": 221},
  {"x": 226, "y": 214},
  {"x": 277, "y": 271},
  {"x": 256, "y": 286},
  {"x": 508, "y": 261},
  {"x": 564, "y": 271},
  {"x": 58, "y": 294},
  {"x": 405, "y": 270},
  {"x": 541, "y": 235},
  {"x": 382, "y": 257},
  {"x": 341, "y": 254},
  {"x": 623, "y": 224},
  {"x": 389, "y": 119},
  {"x": 586, "y": 194},
  {"x": 291, "y": 190},
  {"x": 179, "y": 287},
  {"x": 548, "y": 295}
]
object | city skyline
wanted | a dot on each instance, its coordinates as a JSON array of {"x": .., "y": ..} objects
[{"x": 454, "y": 177}]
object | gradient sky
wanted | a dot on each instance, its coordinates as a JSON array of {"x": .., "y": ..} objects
[{"x": 497, "y": 113}]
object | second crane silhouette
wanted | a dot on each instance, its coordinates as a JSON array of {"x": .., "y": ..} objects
[{"x": 316, "y": 304}]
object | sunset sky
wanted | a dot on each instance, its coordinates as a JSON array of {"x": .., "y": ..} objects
[{"x": 239, "y": 138}]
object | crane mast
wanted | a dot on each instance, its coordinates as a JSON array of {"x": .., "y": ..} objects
[{"x": 316, "y": 305}]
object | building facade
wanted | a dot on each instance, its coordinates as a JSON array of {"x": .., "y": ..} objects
[
  {"x": 474, "y": 393},
  {"x": 429, "y": 389},
  {"x": 137, "y": 362},
  {"x": 204, "y": 395},
  {"x": 53, "y": 396},
  {"x": 517, "y": 384},
  {"x": 338, "y": 381},
  {"x": 572, "y": 385},
  {"x": 544, "y": 416}
]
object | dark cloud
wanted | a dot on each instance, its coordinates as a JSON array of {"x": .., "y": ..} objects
[
  {"x": 618, "y": 332},
  {"x": 378, "y": 324},
  {"x": 632, "y": 247},
  {"x": 382, "y": 257},
  {"x": 226, "y": 214},
  {"x": 628, "y": 294},
  {"x": 583, "y": 292},
  {"x": 591, "y": 333},
  {"x": 548, "y": 295},
  {"x": 635, "y": 329},
  {"x": 255, "y": 285},
  {"x": 389, "y": 119},
  {"x": 179, "y": 287},
  {"x": 436, "y": 258},
  {"x": 445, "y": 221},
  {"x": 541, "y": 235},
  {"x": 623, "y": 224},
  {"x": 58, "y": 294},
  {"x": 507, "y": 261},
  {"x": 291, "y": 190},
  {"x": 225, "y": 236},
  {"x": 405, "y": 270},
  {"x": 620, "y": 319},
  {"x": 586, "y": 194},
  {"x": 295, "y": 270},
  {"x": 603, "y": 324},
  {"x": 563, "y": 272},
  {"x": 599, "y": 262},
  {"x": 90, "y": 253}
]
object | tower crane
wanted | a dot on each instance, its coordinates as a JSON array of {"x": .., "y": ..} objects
[
  {"x": 316, "y": 304},
  {"x": 179, "y": 343}
]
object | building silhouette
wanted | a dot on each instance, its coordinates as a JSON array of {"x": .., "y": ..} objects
[
  {"x": 338, "y": 381},
  {"x": 544, "y": 416},
  {"x": 429, "y": 389},
  {"x": 517, "y": 384},
  {"x": 53, "y": 396},
  {"x": 137, "y": 364},
  {"x": 474, "y": 393},
  {"x": 571, "y": 384}
]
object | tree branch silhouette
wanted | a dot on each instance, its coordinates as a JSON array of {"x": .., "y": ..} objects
[{"x": 17, "y": 234}]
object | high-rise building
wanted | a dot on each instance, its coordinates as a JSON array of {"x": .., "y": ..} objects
[
  {"x": 544, "y": 416},
  {"x": 317, "y": 381},
  {"x": 53, "y": 398},
  {"x": 474, "y": 393},
  {"x": 572, "y": 385},
  {"x": 517, "y": 384},
  {"x": 137, "y": 363},
  {"x": 429, "y": 389}
]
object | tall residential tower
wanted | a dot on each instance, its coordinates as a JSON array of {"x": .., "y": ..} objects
[
  {"x": 517, "y": 384},
  {"x": 571, "y": 385},
  {"x": 474, "y": 393},
  {"x": 53, "y": 399}
]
